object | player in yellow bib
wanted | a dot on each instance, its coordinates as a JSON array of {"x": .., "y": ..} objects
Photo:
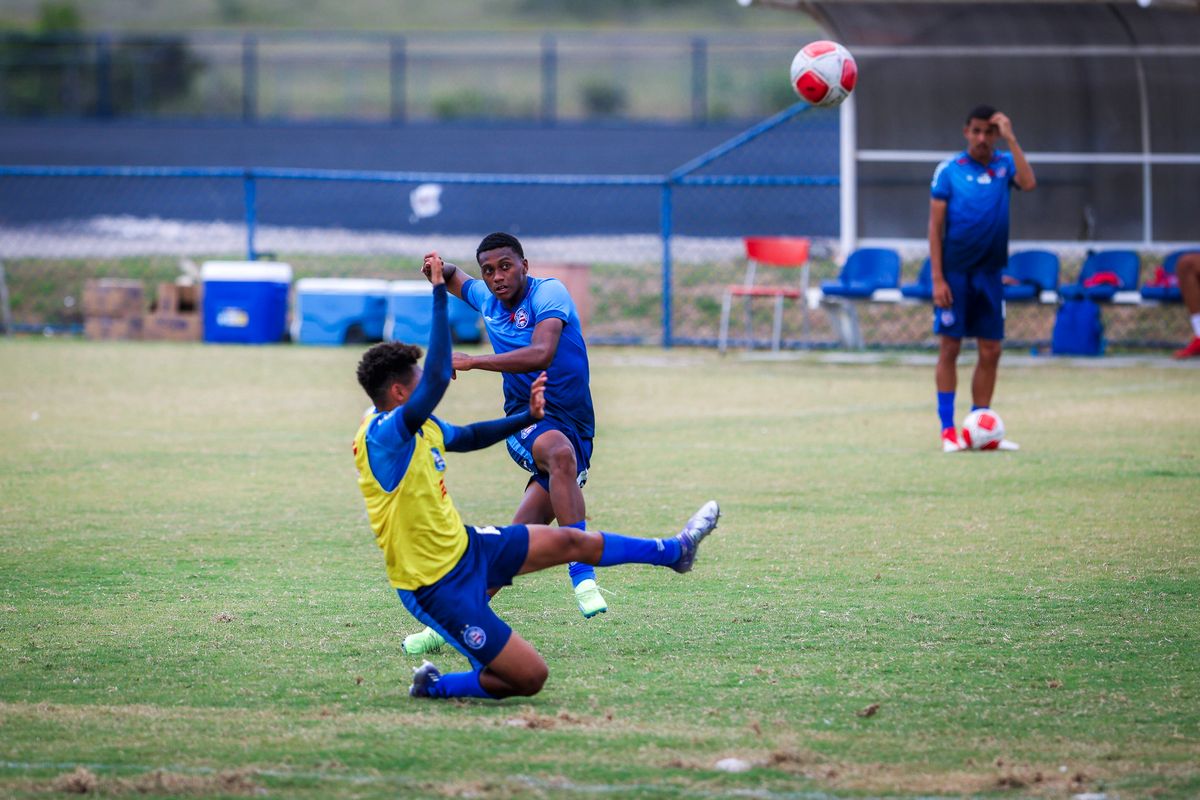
[{"x": 441, "y": 569}]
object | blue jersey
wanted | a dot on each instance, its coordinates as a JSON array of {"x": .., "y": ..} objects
[
  {"x": 568, "y": 394},
  {"x": 976, "y": 231}
]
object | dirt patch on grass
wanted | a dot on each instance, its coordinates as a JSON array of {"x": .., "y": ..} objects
[{"x": 238, "y": 783}]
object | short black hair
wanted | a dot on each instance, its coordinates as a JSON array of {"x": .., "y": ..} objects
[
  {"x": 384, "y": 364},
  {"x": 983, "y": 112},
  {"x": 494, "y": 241}
]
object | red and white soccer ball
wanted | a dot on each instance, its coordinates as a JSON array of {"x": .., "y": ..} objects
[
  {"x": 824, "y": 73},
  {"x": 983, "y": 429}
]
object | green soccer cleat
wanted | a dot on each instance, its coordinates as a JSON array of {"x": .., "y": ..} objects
[
  {"x": 591, "y": 602},
  {"x": 427, "y": 641}
]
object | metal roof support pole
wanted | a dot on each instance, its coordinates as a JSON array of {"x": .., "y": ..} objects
[
  {"x": 1147, "y": 181},
  {"x": 848, "y": 178}
]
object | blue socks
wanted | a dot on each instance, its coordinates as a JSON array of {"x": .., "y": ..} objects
[
  {"x": 459, "y": 684},
  {"x": 634, "y": 550},
  {"x": 945, "y": 403},
  {"x": 578, "y": 571},
  {"x": 976, "y": 408}
]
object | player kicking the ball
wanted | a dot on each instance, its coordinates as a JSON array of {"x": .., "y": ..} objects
[
  {"x": 533, "y": 325},
  {"x": 441, "y": 569}
]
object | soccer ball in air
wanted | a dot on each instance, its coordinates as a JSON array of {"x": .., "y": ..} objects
[
  {"x": 824, "y": 73},
  {"x": 983, "y": 429}
]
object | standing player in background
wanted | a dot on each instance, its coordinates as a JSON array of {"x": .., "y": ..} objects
[
  {"x": 442, "y": 570},
  {"x": 533, "y": 326},
  {"x": 968, "y": 247},
  {"x": 1187, "y": 270}
]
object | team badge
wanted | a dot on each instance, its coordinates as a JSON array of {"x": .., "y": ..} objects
[
  {"x": 521, "y": 318},
  {"x": 526, "y": 431},
  {"x": 947, "y": 317},
  {"x": 474, "y": 637},
  {"x": 439, "y": 463}
]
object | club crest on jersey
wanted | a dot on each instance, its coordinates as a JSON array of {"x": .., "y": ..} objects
[
  {"x": 474, "y": 637},
  {"x": 526, "y": 431},
  {"x": 947, "y": 317},
  {"x": 439, "y": 463},
  {"x": 521, "y": 318}
]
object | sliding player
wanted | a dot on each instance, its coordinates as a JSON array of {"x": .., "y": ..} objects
[{"x": 441, "y": 569}]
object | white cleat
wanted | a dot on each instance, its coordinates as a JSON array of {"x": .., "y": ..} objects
[{"x": 1007, "y": 444}]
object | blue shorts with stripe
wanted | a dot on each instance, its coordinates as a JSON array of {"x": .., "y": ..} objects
[
  {"x": 520, "y": 449},
  {"x": 457, "y": 607},
  {"x": 977, "y": 308}
]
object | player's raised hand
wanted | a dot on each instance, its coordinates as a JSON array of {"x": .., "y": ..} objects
[
  {"x": 537, "y": 397},
  {"x": 1003, "y": 124},
  {"x": 433, "y": 268}
]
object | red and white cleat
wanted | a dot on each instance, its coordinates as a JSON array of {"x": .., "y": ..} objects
[
  {"x": 950, "y": 441},
  {"x": 1191, "y": 351}
]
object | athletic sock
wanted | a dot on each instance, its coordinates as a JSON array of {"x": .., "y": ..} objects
[
  {"x": 459, "y": 684},
  {"x": 634, "y": 550},
  {"x": 579, "y": 571},
  {"x": 945, "y": 403},
  {"x": 1196, "y": 325},
  {"x": 976, "y": 408}
]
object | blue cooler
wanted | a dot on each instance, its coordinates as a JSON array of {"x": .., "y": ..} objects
[
  {"x": 410, "y": 315},
  {"x": 245, "y": 302},
  {"x": 339, "y": 310}
]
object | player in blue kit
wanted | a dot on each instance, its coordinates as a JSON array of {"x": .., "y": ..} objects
[
  {"x": 533, "y": 325},
  {"x": 442, "y": 570},
  {"x": 968, "y": 247}
]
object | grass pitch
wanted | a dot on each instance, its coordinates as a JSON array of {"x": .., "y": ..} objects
[{"x": 191, "y": 602}]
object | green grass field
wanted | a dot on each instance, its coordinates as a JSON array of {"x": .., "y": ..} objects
[{"x": 191, "y": 602}]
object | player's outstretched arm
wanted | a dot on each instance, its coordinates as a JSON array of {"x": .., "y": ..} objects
[
  {"x": 536, "y": 356},
  {"x": 437, "y": 372},
  {"x": 479, "y": 435},
  {"x": 454, "y": 277}
]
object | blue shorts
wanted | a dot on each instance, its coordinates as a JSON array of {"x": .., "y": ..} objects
[
  {"x": 977, "y": 309},
  {"x": 457, "y": 605},
  {"x": 520, "y": 448}
]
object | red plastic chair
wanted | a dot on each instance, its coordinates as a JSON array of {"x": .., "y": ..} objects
[{"x": 779, "y": 252}]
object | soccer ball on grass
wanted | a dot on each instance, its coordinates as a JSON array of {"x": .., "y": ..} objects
[
  {"x": 824, "y": 73},
  {"x": 983, "y": 429}
]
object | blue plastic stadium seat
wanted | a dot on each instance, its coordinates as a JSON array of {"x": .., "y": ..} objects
[
  {"x": 923, "y": 288},
  {"x": 1125, "y": 264},
  {"x": 865, "y": 271},
  {"x": 1037, "y": 271},
  {"x": 1167, "y": 294}
]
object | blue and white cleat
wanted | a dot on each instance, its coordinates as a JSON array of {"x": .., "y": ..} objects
[
  {"x": 702, "y": 523},
  {"x": 424, "y": 677}
]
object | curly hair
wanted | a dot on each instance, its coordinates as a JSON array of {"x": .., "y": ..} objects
[
  {"x": 384, "y": 364},
  {"x": 494, "y": 241}
]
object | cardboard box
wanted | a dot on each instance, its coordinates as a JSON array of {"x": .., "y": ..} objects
[
  {"x": 577, "y": 279},
  {"x": 113, "y": 298},
  {"x": 112, "y": 328},
  {"x": 177, "y": 298},
  {"x": 162, "y": 327}
]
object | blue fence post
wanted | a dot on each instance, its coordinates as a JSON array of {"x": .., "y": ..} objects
[
  {"x": 398, "y": 78},
  {"x": 104, "y": 107},
  {"x": 549, "y": 79},
  {"x": 250, "y": 191},
  {"x": 699, "y": 80},
  {"x": 666, "y": 262},
  {"x": 249, "y": 77}
]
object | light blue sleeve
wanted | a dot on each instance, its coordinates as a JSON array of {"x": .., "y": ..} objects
[
  {"x": 475, "y": 293},
  {"x": 940, "y": 187},
  {"x": 552, "y": 301}
]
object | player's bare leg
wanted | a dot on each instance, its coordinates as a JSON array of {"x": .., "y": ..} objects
[
  {"x": 555, "y": 455},
  {"x": 535, "y": 508},
  {"x": 946, "y": 379},
  {"x": 983, "y": 383},
  {"x": 1187, "y": 270}
]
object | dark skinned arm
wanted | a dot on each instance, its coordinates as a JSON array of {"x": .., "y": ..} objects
[
  {"x": 454, "y": 277},
  {"x": 534, "y": 358}
]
